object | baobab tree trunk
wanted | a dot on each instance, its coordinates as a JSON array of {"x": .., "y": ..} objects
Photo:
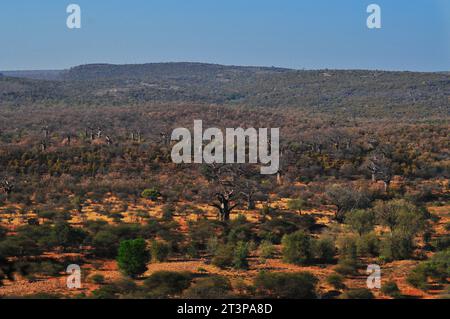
[
  {"x": 279, "y": 178},
  {"x": 225, "y": 208},
  {"x": 386, "y": 186}
]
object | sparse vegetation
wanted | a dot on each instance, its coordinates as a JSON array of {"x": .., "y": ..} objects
[{"x": 88, "y": 180}]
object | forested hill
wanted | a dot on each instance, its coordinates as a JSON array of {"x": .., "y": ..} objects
[{"x": 325, "y": 90}]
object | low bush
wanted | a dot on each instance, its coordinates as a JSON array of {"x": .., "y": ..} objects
[
  {"x": 336, "y": 281},
  {"x": 301, "y": 285},
  {"x": 362, "y": 293}
]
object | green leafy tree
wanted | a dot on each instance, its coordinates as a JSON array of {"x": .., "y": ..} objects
[{"x": 133, "y": 257}]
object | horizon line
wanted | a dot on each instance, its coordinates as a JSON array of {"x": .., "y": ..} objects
[{"x": 226, "y": 65}]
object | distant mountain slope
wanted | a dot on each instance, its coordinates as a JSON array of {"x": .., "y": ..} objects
[
  {"x": 35, "y": 75},
  {"x": 326, "y": 90}
]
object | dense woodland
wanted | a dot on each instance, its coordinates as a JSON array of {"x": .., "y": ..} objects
[{"x": 365, "y": 165}]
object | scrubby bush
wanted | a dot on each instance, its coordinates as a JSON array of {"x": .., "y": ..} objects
[
  {"x": 166, "y": 284},
  {"x": 65, "y": 236},
  {"x": 438, "y": 266},
  {"x": 361, "y": 293},
  {"x": 212, "y": 245},
  {"x": 266, "y": 250},
  {"x": 273, "y": 230},
  {"x": 348, "y": 261},
  {"x": 300, "y": 285},
  {"x": 296, "y": 205},
  {"x": 159, "y": 251},
  {"x": 240, "y": 230},
  {"x": 119, "y": 289},
  {"x": 214, "y": 287},
  {"x": 224, "y": 256},
  {"x": 297, "y": 248},
  {"x": 361, "y": 221},
  {"x": 3, "y": 232},
  {"x": 346, "y": 267},
  {"x": 151, "y": 193},
  {"x": 105, "y": 244},
  {"x": 441, "y": 243},
  {"x": 97, "y": 279},
  {"x": 325, "y": 250},
  {"x": 390, "y": 288},
  {"x": 337, "y": 281},
  {"x": 368, "y": 245},
  {"x": 418, "y": 277},
  {"x": 401, "y": 216},
  {"x": 397, "y": 246},
  {"x": 240, "y": 256}
]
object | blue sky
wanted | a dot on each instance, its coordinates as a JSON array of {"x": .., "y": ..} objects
[{"x": 311, "y": 34}]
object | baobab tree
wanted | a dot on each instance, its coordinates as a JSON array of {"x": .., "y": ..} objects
[
  {"x": 380, "y": 168},
  {"x": 225, "y": 205},
  {"x": 7, "y": 187},
  {"x": 223, "y": 178}
]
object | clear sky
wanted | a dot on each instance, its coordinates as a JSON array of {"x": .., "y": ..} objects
[{"x": 311, "y": 34}]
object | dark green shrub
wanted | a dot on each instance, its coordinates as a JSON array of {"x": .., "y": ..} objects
[
  {"x": 64, "y": 235},
  {"x": 133, "y": 257},
  {"x": 212, "y": 245},
  {"x": 438, "y": 267},
  {"x": 166, "y": 284},
  {"x": 397, "y": 246},
  {"x": 159, "y": 251},
  {"x": 368, "y": 245},
  {"x": 336, "y": 281},
  {"x": 390, "y": 289},
  {"x": 348, "y": 261},
  {"x": 273, "y": 230},
  {"x": 296, "y": 205},
  {"x": 105, "y": 244},
  {"x": 49, "y": 268},
  {"x": 300, "y": 285},
  {"x": 214, "y": 287},
  {"x": 347, "y": 267},
  {"x": 347, "y": 248},
  {"x": 266, "y": 250},
  {"x": 151, "y": 193},
  {"x": 97, "y": 279},
  {"x": 240, "y": 256},
  {"x": 118, "y": 289},
  {"x": 362, "y": 293},
  {"x": 3, "y": 232},
  {"x": 361, "y": 221},
  {"x": 418, "y": 277},
  {"x": 325, "y": 250},
  {"x": 441, "y": 243},
  {"x": 297, "y": 248},
  {"x": 224, "y": 256}
]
